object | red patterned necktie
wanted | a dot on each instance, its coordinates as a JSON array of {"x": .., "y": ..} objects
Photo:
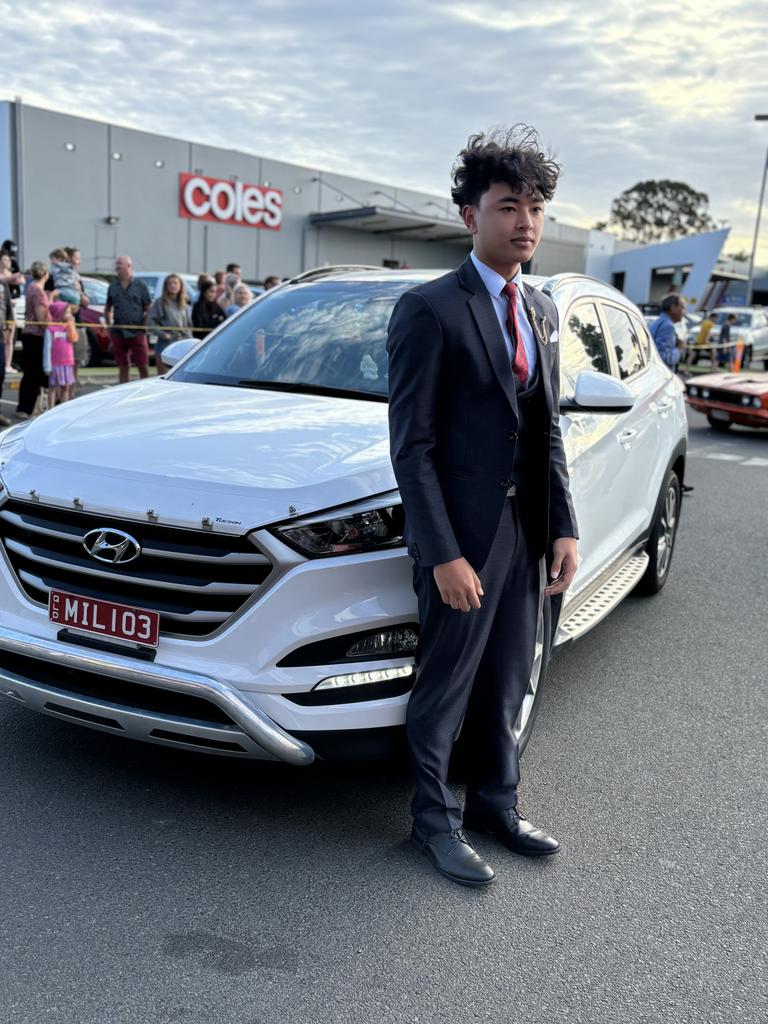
[{"x": 520, "y": 359}]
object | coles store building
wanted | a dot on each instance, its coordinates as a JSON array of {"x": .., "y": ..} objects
[{"x": 175, "y": 205}]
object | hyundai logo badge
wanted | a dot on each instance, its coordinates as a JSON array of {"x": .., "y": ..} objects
[{"x": 111, "y": 546}]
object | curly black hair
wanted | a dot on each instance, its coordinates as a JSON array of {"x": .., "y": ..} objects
[{"x": 513, "y": 156}]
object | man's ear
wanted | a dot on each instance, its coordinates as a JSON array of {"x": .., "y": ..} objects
[{"x": 468, "y": 216}]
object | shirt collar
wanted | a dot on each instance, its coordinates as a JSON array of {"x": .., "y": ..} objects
[{"x": 495, "y": 282}]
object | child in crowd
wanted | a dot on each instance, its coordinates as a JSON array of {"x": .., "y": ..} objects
[
  {"x": 725, "y": 353},
  {"x": 64, "y": 276},
  {"x": 59, "y": 355}
]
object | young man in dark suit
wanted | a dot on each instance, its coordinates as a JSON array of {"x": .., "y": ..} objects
[{"x": 479, "y": 460}]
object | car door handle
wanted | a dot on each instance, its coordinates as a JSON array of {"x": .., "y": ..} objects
[
  {"x": 626, "y": 436},
  {"x": 663, "y": 407}
]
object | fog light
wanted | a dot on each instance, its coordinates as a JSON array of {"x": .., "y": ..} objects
[
  {"x": 391, "y": 641},
  {"x": 379, "y": 675}
]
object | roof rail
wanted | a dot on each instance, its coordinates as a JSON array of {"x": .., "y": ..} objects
[{"x": 309, "y": 275}]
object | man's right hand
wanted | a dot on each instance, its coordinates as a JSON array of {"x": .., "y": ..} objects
[{"x": 458, "y": 584}]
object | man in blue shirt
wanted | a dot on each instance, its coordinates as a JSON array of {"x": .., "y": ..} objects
[{"x": 663, "y": 329}]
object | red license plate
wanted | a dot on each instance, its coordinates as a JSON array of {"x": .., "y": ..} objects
[{"x": 103, "y": 618}]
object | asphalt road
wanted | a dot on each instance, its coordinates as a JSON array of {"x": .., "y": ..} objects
[{"x": 140, "y": 884}]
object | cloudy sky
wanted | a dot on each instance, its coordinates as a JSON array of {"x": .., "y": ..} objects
[{"x": 621, "y": 92}]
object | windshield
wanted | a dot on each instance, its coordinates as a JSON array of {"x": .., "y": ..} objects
[
  {"x": 95, "y": 290},
  {"x": 151, "y": 281},
  {"x": 742, "y": 319},
  {"x": 323, "y": 336}
]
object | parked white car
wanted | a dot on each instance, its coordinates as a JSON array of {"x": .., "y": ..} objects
[
  {"x": 214, "y": 560},
  {"x": 751, "y": 327}
]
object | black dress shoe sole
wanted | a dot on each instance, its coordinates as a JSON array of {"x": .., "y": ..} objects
[
  {"x": 512, "y": 849},
  {"x": 446, "y": 874}
]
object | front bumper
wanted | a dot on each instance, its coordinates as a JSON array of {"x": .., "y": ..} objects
[
  {"x": 238, "y": 727},
  {"x": 742, "y": 415}
]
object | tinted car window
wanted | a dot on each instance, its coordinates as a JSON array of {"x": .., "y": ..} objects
[
  {"x": 324, "y": 334},
  {"x": 151, "y": 281},
  {"x": 742, "y": 319},
  {"x": 582, "y": 345},
  {"x": 626, "y": 343}
]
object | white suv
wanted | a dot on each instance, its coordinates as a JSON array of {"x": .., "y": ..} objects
[{"x": 214, "y": 559}]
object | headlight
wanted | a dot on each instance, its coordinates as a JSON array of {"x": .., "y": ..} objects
[
  {"x": 394, "y": 642},
  {"x": 746, "y": 400},
  {"x": 705, "y": 392},
  {"x": 693, "y": 391},
  {"x": 757, "y": 402},
  {"x": 347, "y": 534}
]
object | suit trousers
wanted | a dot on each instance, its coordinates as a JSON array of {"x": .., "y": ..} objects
[{"x": 473, "y": 670}]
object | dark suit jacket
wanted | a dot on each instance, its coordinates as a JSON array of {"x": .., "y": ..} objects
[{"x": 454, "y": 424}]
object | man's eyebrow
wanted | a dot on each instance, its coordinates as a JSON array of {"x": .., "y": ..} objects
[{"x": 517, "y": 198}]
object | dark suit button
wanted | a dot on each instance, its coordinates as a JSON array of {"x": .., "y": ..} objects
[{"x": 503, "y": 483}]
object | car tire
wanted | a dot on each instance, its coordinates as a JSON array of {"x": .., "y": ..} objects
[
  {"x": 94, "y": 352},
  {"x": 721, "y": 426},
  {"x": 661, "y": 543}
]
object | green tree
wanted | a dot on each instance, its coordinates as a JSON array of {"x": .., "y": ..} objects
[{"x": 659, "y": 211}]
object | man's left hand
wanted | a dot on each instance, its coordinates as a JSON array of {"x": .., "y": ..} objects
[{"x": 564, "y": 565}]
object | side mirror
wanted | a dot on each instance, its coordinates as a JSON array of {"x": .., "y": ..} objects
[
  {"x": 598, "y": 392},
  {"x": 176, "y": 351}
]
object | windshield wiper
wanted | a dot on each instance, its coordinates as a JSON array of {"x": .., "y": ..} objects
[{"x": 310, "y": 389}]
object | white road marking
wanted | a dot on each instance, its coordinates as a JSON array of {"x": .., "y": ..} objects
[{"x": 755, "y": 460}]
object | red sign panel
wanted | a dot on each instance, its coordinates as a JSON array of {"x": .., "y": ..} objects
[
  {"x": 103, "y": 618},
  {"x": 230, "y": 202}
]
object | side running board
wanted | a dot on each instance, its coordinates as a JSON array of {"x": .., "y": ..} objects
[{"x": 600, "y": 602}]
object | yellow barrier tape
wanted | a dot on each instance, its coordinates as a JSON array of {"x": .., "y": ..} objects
[{"x": 146, "y": 329}]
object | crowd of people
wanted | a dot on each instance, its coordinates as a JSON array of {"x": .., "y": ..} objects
[
  {"x": 675, "y": 350},
  {"x": 54, "y": 342}
]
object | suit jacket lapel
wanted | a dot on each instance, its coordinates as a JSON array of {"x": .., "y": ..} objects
[
  {"x": 541, "y": 332},
  {"x": 487, "y": 324}
]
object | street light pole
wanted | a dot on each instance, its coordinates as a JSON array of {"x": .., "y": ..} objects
[{"x": 751, "y": 278}]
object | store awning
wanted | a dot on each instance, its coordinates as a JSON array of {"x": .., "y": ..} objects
[{"x": 385, "y": 220}]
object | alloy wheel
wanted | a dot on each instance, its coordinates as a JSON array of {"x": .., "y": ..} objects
[
  {"x": 668, "y": 526},
  {"x": 529, "y": 701}
]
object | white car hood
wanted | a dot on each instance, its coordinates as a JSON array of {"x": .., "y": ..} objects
[{"x": 239, "y": 457}]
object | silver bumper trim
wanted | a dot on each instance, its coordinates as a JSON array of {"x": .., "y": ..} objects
[{"x": 255, "y": 724}]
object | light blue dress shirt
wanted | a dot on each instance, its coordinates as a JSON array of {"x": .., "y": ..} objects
[{"x": 495, "y": 283}]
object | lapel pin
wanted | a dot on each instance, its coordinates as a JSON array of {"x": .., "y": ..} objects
[{"x": 539, "y": 328}]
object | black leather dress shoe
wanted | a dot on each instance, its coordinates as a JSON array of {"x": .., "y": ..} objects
[
  {"x": 514, "y": 830},
  {"x": 453, "y": 857}
]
